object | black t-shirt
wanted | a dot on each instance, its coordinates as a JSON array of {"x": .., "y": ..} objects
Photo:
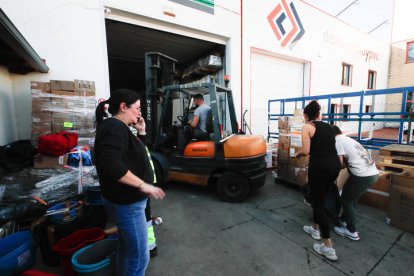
[
  {"x": 323, "y": 141},
  {"x": 118, "y": 150}
]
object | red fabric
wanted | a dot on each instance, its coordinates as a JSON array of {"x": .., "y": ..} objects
[
  {"x": 57, "y": 144},
  {"x": 33, "y": 272}
]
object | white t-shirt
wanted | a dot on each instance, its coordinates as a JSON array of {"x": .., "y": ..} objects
[{"x": 359, "y": 160}]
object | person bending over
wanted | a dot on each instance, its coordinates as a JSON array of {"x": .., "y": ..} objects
[{"x": 362, "y": 173}]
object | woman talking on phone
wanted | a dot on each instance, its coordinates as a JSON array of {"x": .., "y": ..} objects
[{"x": 126, "y": 176}]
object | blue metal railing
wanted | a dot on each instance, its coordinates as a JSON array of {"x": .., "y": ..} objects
[{"x": 401, "y": 117}]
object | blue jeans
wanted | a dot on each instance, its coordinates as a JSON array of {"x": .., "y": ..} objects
[{"x": 132, "y": 253}]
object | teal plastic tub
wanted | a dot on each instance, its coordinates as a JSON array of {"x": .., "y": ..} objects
[{"x": 96, "y": 259}]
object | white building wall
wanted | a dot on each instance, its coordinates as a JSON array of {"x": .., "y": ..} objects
[
  {"x": 8, "y": 131},
  {"x": 401, "y": 72},
  {"x": 325, "y": 45},
  {"x": 70, "y": 36}
]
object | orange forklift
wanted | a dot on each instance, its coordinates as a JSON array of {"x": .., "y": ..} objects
[{"x": 231, "y": 161}]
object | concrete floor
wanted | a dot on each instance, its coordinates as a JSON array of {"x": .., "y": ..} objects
[{"x": 202, "y": 235}]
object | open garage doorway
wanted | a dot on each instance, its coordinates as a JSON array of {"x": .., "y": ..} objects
[{"x": 128, "y": 43}]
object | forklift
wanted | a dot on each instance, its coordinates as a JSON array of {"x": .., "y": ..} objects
[{"x": 232, "y": 162}]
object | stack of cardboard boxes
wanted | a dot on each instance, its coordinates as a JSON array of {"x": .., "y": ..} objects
[
  {"x": 63, "y": 106},
  {"x": 289, "y": 168}
]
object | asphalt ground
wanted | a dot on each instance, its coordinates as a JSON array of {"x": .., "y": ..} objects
[{"x": 201, "y": 235}]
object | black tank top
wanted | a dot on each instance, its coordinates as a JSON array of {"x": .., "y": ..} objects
[{"x": 323, "y": 141}]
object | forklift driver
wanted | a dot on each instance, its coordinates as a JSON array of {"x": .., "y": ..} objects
[{"x": 199, "y": 120}]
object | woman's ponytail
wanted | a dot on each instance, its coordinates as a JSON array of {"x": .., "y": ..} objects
[{"x": 100, "y": 112}]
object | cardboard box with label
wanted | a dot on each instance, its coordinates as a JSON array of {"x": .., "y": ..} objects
[
  {"x": 61, "y": 85},
  {"x": 37, "y": 87},
  {"x": 49, "y": 162},
  {"x": 401, "y": 202}
]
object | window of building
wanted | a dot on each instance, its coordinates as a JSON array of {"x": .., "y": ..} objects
[
  {"x": 410, "y": 51},
  {"x": 346, "y": 108},
  {"x": 346, "y": 74},
  {"x": 372, "y": 79},
  {"x": 368, "y": 108},
  {"x": 332, "y": 111}
]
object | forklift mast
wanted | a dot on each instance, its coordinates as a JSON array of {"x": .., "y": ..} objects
[{"x": 159, "y": 72}]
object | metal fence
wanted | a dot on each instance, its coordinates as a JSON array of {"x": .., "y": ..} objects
[{"x": 375, "y": 118}]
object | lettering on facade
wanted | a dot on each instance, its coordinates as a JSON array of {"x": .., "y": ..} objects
[{"x": 337, "y": 41}]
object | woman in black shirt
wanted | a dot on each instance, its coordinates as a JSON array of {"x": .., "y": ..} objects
[
  {"x": 126, "y": 177},
  {"x": 318, "y": 141}
]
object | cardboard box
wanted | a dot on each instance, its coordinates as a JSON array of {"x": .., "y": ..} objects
[
  {"x": 284, "y": 142},
  {"x": 377, "y": 194},
  {"x": 298, "y": 112},
  {"x": 84, "y": 94},
  {"x": 283, "y": 157},
  {"x": 40, "y": 86},
  {"x": 84, "y": 86},
  {"x": 300, "y": 162},
  {"x": 60, "y": 85},
  {"x": 283, "y": 123},
  {"x": 41, "y": 104},
  {"x": 301, "y": 176},
  {"x": 63, "y": 93},
  {"x": 49, "y": 162},
  {"x": 401, "y": 202},
  {"x": 296, "y": 140},
  {"x": 41, "y": 118}
]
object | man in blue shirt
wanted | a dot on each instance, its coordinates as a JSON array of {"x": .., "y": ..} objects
[{"x": 201, "y": 114}]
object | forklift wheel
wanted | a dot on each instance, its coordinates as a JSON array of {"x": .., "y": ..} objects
[{"x": 233, "y": 187}]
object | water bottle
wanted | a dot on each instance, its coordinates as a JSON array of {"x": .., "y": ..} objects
[{"x": 156, "y": 220}]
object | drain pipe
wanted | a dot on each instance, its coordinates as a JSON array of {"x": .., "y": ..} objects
[{"x": 241, "y": 59}]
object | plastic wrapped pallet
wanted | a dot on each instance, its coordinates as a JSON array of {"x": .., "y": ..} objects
[{"x": 63, "y": 106}]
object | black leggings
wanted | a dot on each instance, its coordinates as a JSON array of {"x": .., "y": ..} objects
[{"x": 322, "y": 174}]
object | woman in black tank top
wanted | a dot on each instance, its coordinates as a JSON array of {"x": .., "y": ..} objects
[{"x": 318, "y": 141}]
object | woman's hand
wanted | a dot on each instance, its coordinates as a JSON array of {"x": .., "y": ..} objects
[
  {"x": 140, "y": 125},
  {"x": 152, "y": 191}
]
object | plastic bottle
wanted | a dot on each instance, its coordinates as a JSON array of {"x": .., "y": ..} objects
[{"x": 156, "y": 220}]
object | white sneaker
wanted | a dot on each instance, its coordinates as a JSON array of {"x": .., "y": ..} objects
[
  {"x": 342, "y": 222},
  {"x": 328, "y": 252},
  {"x": 343, "y": 231},
  {"x": 315, "y": 234}
]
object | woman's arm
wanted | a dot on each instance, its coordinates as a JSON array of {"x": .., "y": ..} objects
[
  {"x": 342, "y": 160},
  {"x": 150, "y": 190},
  {"x": 307, "y": 132}
]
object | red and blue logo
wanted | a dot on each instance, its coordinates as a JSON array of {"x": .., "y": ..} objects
[{"x": 286, "y": 24}]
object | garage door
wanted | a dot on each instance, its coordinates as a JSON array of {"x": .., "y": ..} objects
[{"x": 271, "y": 78}]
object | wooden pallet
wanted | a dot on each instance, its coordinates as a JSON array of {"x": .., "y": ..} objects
[
  {"x": 397, "y": 150},
  {"x": 397, "y": 158},
  {"x": 398, "y": 168}
]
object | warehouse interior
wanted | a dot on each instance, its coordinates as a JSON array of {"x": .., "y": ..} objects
[{"x": 127, "y": 45}]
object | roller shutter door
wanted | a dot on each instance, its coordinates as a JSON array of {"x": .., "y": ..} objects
[{"x": 271, "y": 78}]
